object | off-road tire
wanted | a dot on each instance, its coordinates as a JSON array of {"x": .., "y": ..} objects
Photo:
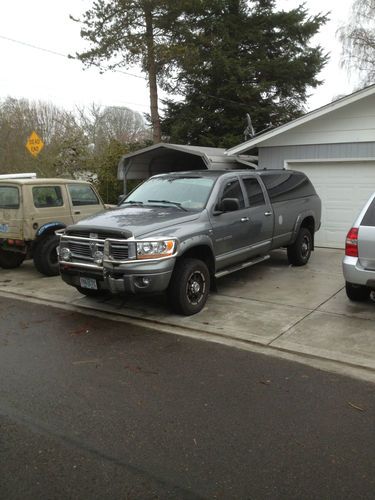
[
  {"x": 300, "y": 251},
  {"x": 10, "y": 260},
  {"x": 45, "y": 255},
  {"x": 357, "y": 293},
  {"x": 92, "y": 293},
  {"x": 189, "y": 286}
]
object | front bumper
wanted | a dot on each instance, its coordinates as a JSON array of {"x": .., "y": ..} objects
[
  {"x": 356, "y": 274},
  {"x": 139, "y": 277}
]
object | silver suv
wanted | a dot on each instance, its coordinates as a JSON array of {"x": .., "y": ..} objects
[{"x": 359, "y": 260}]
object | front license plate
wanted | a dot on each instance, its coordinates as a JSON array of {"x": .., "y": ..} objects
[
  {"x": 4, "y": 228},
  {"x": 88, "y": 283}
]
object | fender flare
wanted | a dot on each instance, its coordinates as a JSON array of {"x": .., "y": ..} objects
[
  {"x": 49, "y": 228},
  {"x": 300, "y": 218}
]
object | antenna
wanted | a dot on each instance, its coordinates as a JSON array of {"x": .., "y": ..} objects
[{"x": 249, "y": 132}]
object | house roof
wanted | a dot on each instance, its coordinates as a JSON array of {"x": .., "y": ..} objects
[{"x": 312, "y": 115}]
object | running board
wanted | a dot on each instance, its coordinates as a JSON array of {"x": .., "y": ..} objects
[{"x": 238, "y": 267}]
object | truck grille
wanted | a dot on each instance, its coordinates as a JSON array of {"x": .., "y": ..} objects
[{"x": 85, "y": 249}]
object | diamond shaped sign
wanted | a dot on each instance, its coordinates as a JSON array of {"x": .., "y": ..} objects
[{"x": 34, "y": 144}]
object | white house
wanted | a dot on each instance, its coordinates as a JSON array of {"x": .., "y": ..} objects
[{"x": 335, "y": 146}]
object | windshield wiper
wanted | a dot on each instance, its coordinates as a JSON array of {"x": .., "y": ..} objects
[
  {"x": 131, "y": 202},
  {"x": 176, "y": 203}
]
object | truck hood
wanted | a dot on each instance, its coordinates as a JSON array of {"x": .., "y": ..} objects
[{"x": 137, "y": 220}]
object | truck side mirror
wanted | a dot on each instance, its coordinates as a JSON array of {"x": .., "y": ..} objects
[
  {"x": 120, "y": 198},
  {"x": 229, "y": 205}
]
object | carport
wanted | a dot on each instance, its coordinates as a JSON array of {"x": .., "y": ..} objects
[{"x": 162, "y": 158}]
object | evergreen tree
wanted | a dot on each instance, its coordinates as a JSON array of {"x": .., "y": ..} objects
[
  {"x": 243, "y": 57},
  {"x": 127, "y": 32}
]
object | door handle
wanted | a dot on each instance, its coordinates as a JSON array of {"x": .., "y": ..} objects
[
  {"x": 77, "y": 212},
  {"x": 267, "y": 214},
  {"x": 244, "y": 219}
]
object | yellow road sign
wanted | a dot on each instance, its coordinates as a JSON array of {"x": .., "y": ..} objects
[{"x": 34, "y": 144}]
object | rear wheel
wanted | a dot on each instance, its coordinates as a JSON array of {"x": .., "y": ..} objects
[
  {"x": 11, "y": 260},
  {"x": 189, "y": 287},
  {"x": 300, "y": 251},
  {"x": 357, "y": 293},
  {"x": 45, "y": 255}
]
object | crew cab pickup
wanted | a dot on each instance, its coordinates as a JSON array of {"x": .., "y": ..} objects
[
  {"x": 32, "y": 209},
  {"x": 178, "y": 232}
]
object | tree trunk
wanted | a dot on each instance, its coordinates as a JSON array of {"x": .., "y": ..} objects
[{"x": 151, "y": 69}]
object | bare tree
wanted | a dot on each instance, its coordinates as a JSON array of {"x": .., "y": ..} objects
[
  {"x": 358, "y": 40},
  {"x": 103, "y": 125}
]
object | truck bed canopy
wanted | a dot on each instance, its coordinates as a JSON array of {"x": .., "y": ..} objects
[{"x": 162, "y": 158}]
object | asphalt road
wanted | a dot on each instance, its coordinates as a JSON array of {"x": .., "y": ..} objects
[{"x": 91, "y": 409}]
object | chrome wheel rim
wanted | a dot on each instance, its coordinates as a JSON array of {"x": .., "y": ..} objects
[{"x": 195, "y": 287}]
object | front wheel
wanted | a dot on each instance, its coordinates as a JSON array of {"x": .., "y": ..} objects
[
  {"x": 300, "y": 251},
  {"x": 189, "y": 287},
  {"x": 357, "y": 293},
  {"x": 45, "y": 255},
  {"x": 11, "y": 260}
]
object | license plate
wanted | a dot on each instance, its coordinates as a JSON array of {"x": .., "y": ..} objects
[
  {"x": 4, "y": 228},
  {"x": 88, "y": 283}
]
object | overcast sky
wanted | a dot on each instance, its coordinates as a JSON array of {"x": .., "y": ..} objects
[{"x": 34, "y": 74}]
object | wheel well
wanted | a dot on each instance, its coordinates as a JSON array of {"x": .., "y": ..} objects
[
  {"x": 309, "y": 223},
  {"x": 204, "y": 253}
]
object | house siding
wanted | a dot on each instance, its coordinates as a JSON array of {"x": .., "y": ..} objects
[{"x": 275, "y": 157}]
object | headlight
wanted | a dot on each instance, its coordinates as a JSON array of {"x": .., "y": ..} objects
[{"x": 155, "y": 249}]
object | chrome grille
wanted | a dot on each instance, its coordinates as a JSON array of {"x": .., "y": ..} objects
[{"x": 119, "y": 252}]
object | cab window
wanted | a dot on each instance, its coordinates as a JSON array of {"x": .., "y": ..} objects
[
  {"x": 232, "y": 189},
  {"x": 47, "y": 196},
  {"x": 82, "y": 194}
]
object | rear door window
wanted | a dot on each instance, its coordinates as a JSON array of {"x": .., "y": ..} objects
[
  {"x": 9, "y": 197},
  {"x": 369, "y": 217},
  {"x": 47, "y": 196},
  {"x": 254, "y": 192},
  {"x": 82, "y": 194}
]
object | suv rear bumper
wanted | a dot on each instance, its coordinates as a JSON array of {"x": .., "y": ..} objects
[{"x": 356, "y": 274}]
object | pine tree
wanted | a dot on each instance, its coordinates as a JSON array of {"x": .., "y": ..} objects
[
  {"x": 245, "y": 57},
  {"x": 127, "y": 32}
]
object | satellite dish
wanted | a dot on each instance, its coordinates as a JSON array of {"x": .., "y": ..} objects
[{"x": 249, "y": 132}]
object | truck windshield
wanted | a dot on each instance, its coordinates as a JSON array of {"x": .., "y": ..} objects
[
  {"x": 188, "y": 193},
  {"x": 9, "y": 197}
]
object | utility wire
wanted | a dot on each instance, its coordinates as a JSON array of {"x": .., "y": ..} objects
[{"x": 55, "y": 53}]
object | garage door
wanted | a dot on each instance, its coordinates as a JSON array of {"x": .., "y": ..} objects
[{"x": 343, "y": 189}]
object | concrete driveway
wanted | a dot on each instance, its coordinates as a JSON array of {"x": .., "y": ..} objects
[{"x": 272, "y": 306}]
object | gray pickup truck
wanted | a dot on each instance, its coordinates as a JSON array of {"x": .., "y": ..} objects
[{"x": 178, "y": 232}]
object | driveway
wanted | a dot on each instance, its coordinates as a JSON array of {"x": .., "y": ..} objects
[{"x": 272, "y": 307}]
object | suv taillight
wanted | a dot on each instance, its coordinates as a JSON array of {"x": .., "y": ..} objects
[{"x": 351, "y": 246}]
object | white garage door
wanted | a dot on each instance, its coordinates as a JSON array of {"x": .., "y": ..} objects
[{"x": 343, "y": 189}]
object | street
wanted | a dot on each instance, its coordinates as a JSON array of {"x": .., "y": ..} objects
[{"x": 91, "y": 408}]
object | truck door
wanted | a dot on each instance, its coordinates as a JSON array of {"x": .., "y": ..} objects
[
  {"x": 230, "y": 228},
  {"x": 261, "y": 218}
]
